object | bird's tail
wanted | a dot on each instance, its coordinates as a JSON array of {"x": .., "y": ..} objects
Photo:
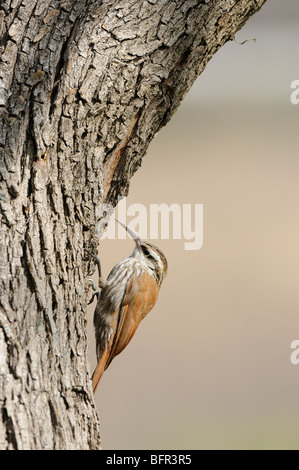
[{"x": 99, "y": 370}]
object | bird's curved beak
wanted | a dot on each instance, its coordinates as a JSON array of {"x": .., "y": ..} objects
[{"x": 135, "y": 237}]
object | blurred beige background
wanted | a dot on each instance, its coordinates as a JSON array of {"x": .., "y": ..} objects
[{"x": 209, "y": 368}]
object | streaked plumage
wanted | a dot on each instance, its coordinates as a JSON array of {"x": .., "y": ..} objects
[{"x": 130, "y": 292}]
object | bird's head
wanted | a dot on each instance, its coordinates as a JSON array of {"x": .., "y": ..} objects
[{"x": 151, "y": 254}]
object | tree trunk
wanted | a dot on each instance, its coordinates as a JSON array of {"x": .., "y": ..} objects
[{"x": 84, "y": 87}]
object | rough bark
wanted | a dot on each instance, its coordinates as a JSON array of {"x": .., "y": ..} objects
[{"x": 84, "y": 87}]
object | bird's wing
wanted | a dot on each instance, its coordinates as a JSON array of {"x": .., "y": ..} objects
[{"x": 140, "y": 297}]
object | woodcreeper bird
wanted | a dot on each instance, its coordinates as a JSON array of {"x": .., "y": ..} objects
[{"x": 126, "y": 297}]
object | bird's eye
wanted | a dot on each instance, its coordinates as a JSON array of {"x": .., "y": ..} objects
[{"x": 146, "y": 253}]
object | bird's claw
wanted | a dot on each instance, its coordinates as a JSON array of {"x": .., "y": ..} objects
[
  {"x": 95, "y": 291},
  {"x": 101, "y": 281}
]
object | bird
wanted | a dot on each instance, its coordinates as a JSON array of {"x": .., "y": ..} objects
[{"x": 126, "y": 297}]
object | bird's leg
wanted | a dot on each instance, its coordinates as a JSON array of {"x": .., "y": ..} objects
[
  {"x": 101, "y": 282},
  {"x": 96, "y": 291}
]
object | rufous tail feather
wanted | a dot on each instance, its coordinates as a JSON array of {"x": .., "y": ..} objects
[{"x": 99, "y": 370}]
